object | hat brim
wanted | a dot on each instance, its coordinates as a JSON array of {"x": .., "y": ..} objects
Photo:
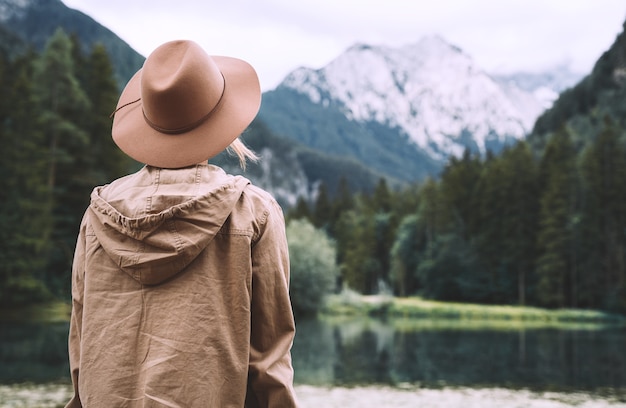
[{"x": 239, "y": 105}]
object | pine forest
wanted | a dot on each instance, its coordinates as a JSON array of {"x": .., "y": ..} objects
[{"x": 543, "y": 223}]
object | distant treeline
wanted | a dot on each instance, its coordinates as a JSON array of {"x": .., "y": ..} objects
[
  {"x": 525, "y": 227},
  {"x": 546, "y": 230},
  {"x": 55, "y": 146}
]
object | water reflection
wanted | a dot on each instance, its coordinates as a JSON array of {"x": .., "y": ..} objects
[
  {"x": 371, "y": 351},
  {"x": 33, "y": 352},
  {"x": 366, "y": 351}
]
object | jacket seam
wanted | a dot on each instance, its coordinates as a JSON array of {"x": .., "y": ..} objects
[
  {"x": 262, "y": 225},
  {"x": 239, "y": 232}
]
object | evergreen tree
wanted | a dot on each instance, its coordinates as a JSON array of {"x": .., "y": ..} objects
[
  {"x": 449, "y": 272},
  {"x": 25, "y": 219},
  {"x": 383, "y": 235},
  {"x": 381, "y": 221},
  {"x": 344, "y": 201},
  {"x": 407, "y": 252},
  {"x": 473, "y": 196},
  {"x": 105, "y": 160},
  {"x": 351, "y": 250},
  {"x": 381, "y": 198},
  {"x": 504, "y": 229},
  {"x": 492, "y": 210},
  {"x": 79, "y": 61},
  {"x": 556, "y": 237},
  {"x": 407, "y": 200},
  {"x": 603, "y": 221},
  {"x": 519, "y": 222},
  {"x": 300, "y": 211},
  {"x": 63, "y": 106},
  {"x": 415, "y": 240},
  {"x": 361, "y": 270},
  {"x": 459, "y": 182},
  {"x": 322, "y": 212},
  {"x": 432, "y": 211}
]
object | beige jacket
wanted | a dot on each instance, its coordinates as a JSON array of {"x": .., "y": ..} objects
[{"x": 180, "y": 294}]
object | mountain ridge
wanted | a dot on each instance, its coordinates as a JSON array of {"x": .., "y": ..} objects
[
  {"x": 430, "y": 97},
  {"x": 585, "y": 106},
  {"x": 287, "y": 168},
  {"x": 341, "y": 124},
  {"x": 34, "y": 21}
]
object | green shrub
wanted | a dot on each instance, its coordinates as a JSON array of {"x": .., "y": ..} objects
[{"x": 314, "y": 269}]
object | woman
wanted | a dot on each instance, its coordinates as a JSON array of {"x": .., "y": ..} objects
[{"x": 180, "y": 275}]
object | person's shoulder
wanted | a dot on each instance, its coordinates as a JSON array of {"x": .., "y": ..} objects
[
  {"x": 120, "y": 185},
  {"x": 262, "y": 203},
  {"x": 105, "y": 191},
  {"x": 254, "y": 197},
  {"x": 255, "y": 192}
]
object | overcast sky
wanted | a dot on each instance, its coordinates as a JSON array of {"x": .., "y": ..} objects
[{"x": 277, "y": 36}]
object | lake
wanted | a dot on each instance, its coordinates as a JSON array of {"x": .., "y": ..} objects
[
  {"x": 394, "y": 356},
  {"x": 432, "y": 354}
]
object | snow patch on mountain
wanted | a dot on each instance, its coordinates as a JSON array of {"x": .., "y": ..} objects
[{"x": 431, "y": 90}]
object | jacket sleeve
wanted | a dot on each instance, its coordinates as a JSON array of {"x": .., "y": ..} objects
[
  {"x": 78, "y": 274},
  {"x": 270, "y": 378}
]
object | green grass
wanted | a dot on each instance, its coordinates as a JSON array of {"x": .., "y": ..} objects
[
  {"x": 53, "y": 311},
  {"x": 416, "y": 308}
]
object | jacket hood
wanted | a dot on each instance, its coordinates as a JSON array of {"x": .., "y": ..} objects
[{"x": 155, "y": 222}]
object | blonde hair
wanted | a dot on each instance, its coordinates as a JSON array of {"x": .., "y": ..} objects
[{"x": 243, "y": 152}]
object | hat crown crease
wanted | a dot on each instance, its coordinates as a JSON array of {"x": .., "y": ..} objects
[
  {"x": 180, "y": 91},
  {"x": 184, "y": 106}
]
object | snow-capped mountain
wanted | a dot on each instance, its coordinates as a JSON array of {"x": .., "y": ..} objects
[
  {"x": 545, "y": 86},
  {"x": 430, "y": 91}
]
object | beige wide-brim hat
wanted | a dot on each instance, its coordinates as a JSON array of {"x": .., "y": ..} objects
[{"x": 184, "y": 106}]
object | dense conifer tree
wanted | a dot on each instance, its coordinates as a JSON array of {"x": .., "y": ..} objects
[
  {"x": 380, "y": 200},
  {"x": 105, "y": 160},
  {"x": 508, "y": 217},
  {"x": 502, "y": 228},
  {"x": 459, "y": 183},
  {"x": 556, "y": 237},
  {"x": 322, "y": 212},
  {"x": 25, "y": 217},
  {"x": 361, "y": 268},
  {"x": 519, "y": 219},
  {"x": 408, "y": 247},
  {"x": 55, "y": 133},
  {"x": 63, "y": 106},
  {"x": 603, "y": 223},
  {"x": 353, "y": 249},
  {"x": 415, "y": 240},
  {"x": 343, "y": 201},
  {"x": 300, "y": 211}
]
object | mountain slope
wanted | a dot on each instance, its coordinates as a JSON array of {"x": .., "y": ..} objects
[
  {"x": 291, "y": 114},
  {"x": 287, "y": 169},
  {"x": 290, "y": 170},
  {"x": 34, "y": 21},
  {"x": 584, "y": 107},
  {"x": 404, "y": 111},
  {"x": 545, "y": 86}
]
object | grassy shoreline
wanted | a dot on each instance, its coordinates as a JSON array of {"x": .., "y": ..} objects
[
  {"x": 48, "y": 312},
  {"x": 352, "y": 304}
]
